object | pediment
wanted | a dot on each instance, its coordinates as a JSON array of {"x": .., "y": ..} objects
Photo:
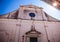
[
  {"x": 33, "y": 31},
  {"x": 31, "y": 6}
]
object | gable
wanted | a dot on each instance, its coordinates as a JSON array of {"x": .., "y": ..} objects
[{"x": 23, "y": 13}]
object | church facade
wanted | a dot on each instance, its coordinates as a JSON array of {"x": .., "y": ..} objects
[{"x": 29, "y": 24}]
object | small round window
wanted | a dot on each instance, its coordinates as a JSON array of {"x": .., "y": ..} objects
[{"x": 31, "y": 14}]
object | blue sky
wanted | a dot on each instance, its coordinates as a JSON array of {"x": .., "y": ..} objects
[{"x": 7, "y": 6}]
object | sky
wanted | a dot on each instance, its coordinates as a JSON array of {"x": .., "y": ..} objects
[{"x": 7, "y": 6}]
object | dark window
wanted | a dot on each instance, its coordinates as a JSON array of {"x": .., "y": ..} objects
[
  {"x": 33, "y": 39},
  {"x": 31, "y": 14}
]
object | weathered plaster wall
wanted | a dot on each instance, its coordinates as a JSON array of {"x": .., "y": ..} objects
[{"x": 12, "y": 30}]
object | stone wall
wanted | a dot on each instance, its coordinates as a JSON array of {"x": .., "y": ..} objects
[{"x": 12, "y": 30}]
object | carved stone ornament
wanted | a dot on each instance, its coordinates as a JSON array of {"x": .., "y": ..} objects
[{"x": 33, "y": 33}]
